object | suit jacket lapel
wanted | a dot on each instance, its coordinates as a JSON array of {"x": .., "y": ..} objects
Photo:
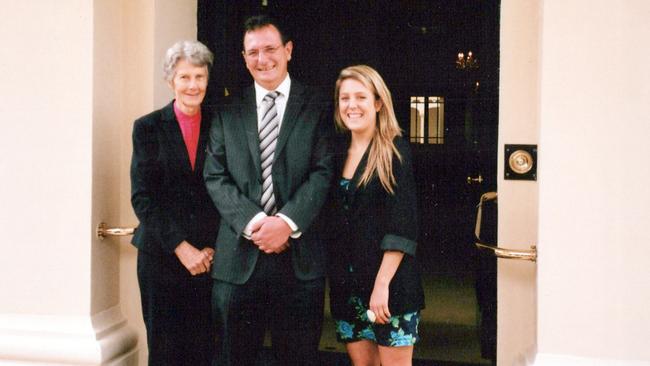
[
  {"x": 294, "y": 105},
  {"x": 206, "y": 118},
  {"x": 175, "y": 137},
  {"x": 248, "y": 116}
]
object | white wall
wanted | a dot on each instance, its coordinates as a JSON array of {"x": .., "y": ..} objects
[
  {"x": 137, "y": 99},
  {"x": 45, "y": 161},
  {"x": 173, "y": 21},
  {"x": 594, "y": 252}
]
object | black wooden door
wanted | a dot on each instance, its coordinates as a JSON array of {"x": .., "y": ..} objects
[{"x": 414, "y": 45}]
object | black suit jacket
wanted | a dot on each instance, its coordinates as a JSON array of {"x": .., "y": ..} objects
[
  {"x": 367, "y": 221},
  {"x": 168, "y": 197},
  {"x": 302, "y": 172}
]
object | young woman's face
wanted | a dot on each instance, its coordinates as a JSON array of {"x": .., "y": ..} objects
[{"x": 358, "y": 107}]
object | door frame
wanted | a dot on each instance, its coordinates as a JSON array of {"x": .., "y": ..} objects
[
  {"x": 519, "y": 101},
  {"x": 519, "y": 121}
]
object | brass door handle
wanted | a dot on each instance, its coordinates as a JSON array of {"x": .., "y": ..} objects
[
  {"x": 530, "y": 255},
  {"x": 103, "y": 231},
  {"x": 478, "y": 179}
]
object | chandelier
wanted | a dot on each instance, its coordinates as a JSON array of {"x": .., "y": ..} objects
[{"x": 468, "y": 62}]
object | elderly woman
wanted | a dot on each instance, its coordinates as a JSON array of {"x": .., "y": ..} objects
[{"x": 178, "y": 222}]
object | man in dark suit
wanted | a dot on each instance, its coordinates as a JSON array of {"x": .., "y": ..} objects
[{"x": 268, "y": 171}]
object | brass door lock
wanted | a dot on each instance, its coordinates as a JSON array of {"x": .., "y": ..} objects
[{"x": 520, "y": 162}]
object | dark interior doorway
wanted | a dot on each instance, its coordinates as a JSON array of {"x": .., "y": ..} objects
[{"x": 416, "y": 46}]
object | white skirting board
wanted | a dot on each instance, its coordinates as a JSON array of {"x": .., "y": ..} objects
[
  {"x": 100, "y": 339},
  {"x": 543, "y": 359}
]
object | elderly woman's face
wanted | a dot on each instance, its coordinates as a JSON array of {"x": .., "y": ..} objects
[{"x": 189, "y": 84}]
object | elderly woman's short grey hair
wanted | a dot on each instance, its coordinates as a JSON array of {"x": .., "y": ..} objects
[{"x": 194, "y": 52}]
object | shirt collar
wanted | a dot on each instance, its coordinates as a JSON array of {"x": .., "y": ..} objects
[{"x": 283, "y": 89}]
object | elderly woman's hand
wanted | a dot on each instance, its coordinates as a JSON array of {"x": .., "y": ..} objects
[{"x": 196, "y": 261}]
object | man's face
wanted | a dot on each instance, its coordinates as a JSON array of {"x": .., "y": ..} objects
[{"x": 266, "y": 57}]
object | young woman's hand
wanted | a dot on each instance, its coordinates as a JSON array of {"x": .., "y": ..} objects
[{"x": 379, "y": 303}]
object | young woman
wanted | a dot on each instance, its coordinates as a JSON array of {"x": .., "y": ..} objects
[{"x": 376, "y": 293}]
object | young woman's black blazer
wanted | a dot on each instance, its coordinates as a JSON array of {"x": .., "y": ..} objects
[{"x": 371, "y": 222}]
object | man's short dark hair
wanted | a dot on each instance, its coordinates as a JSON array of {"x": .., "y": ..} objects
[{"x": 260, "y": 21}]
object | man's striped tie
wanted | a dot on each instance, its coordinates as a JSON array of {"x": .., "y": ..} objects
[{"x": 268, "y": 131}]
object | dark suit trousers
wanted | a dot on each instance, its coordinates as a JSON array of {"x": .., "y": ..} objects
[
  {"x": 271, "y": 299},
  {"x": 177, "y": 312}
]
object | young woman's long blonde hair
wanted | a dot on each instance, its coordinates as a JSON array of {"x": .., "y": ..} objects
[{"x": 382, "y": 148}]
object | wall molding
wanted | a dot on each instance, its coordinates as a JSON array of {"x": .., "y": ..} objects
[
  {"x": 546, "y": 359},
  {"x": 100, "y": 339}
]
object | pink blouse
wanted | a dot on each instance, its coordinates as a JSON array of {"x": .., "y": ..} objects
[{"x": 190, "y": 128}]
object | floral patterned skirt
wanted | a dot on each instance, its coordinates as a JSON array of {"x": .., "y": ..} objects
[{"x": 401, "y": 330}]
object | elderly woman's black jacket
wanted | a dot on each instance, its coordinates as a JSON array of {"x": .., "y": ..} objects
[
  {"x": 168, "y": 197},
  {"x": 363, "y": 226}
]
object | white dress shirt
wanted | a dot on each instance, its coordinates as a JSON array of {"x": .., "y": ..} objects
[{"x": 281, "y": 105}]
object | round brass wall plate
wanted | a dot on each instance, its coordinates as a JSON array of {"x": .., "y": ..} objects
[{"x": 520, "y": 161}]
